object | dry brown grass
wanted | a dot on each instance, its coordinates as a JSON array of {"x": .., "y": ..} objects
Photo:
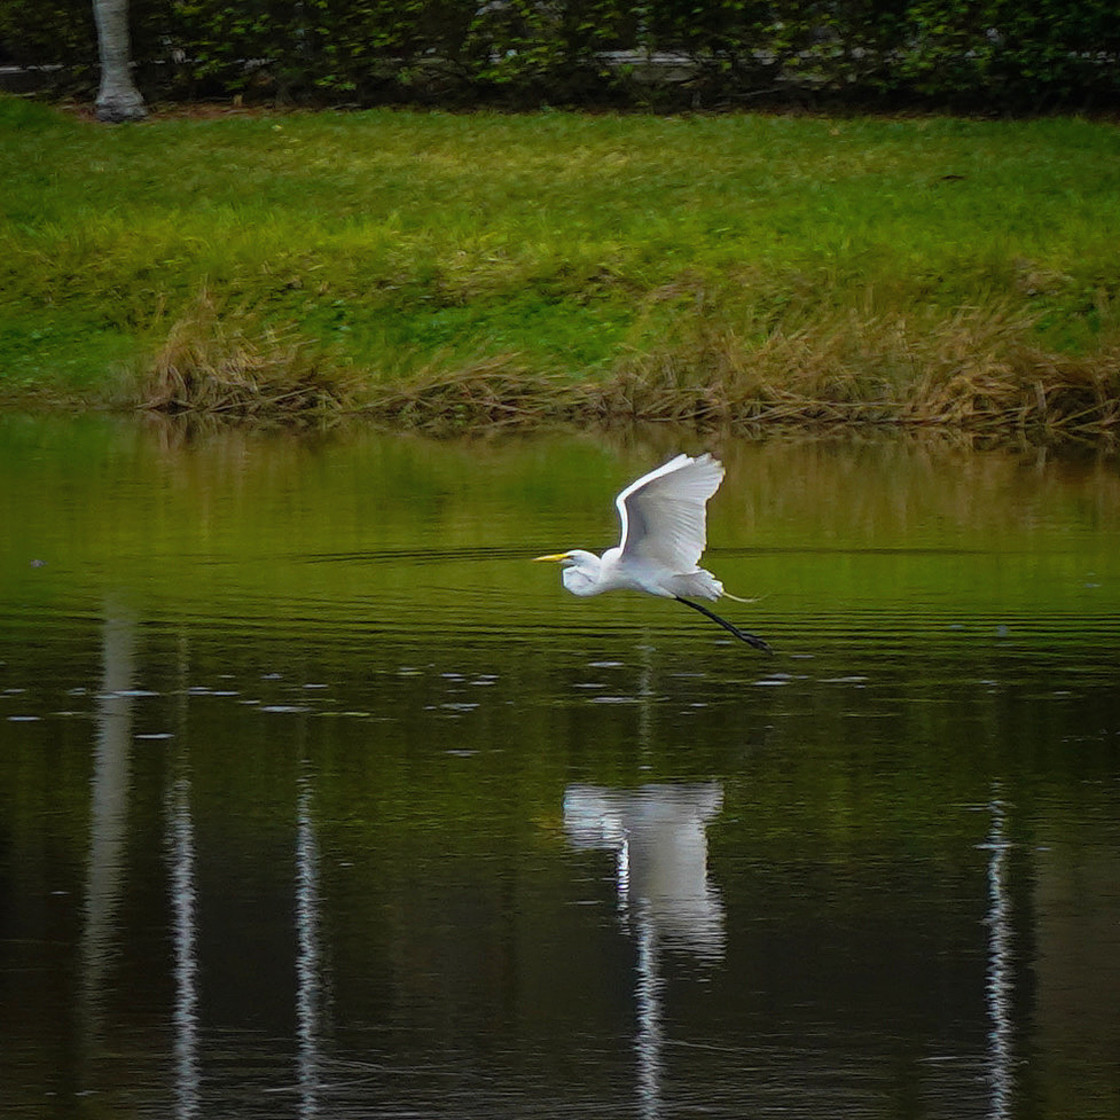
[
  {"x": 490, "y": 393},
  {"x": 208, "y": 366},
  {"x": 972, "y": 371}
]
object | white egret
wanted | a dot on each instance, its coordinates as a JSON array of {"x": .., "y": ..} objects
[{"x": 663, "y": 518}]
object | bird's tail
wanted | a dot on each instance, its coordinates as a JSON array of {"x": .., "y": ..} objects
[
  {"x": 703, "y": 585},
  {"x": 739, "y": 598},
  {"x": 700, "y": 584}
]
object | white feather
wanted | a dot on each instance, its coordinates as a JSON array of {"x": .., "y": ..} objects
[{"x": 663, "y": 514}]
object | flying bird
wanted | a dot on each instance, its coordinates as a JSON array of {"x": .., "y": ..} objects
[{"x": 663, "y": 517}]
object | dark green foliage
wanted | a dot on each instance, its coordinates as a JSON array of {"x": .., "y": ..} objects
[
  {"x": 49, "y": 33},
  {"x": 1019, "y": 55},
  {"x": 1042, "y": 53}
]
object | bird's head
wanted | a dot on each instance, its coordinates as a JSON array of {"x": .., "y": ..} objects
[{"x": 581, "y": 570}]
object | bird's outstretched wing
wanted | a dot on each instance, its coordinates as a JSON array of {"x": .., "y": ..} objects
[{"x": 663, "y": 512}]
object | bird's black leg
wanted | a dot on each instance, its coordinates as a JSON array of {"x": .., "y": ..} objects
[{"x": 742, "y": 635}]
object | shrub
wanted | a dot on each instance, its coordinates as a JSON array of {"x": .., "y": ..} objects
[{"x": 995, "y": 54}]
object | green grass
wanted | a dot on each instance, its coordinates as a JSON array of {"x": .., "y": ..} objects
[{"x": 831, "y": 258}]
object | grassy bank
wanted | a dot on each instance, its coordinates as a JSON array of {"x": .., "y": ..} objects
[{"x": 435, "y": 269}]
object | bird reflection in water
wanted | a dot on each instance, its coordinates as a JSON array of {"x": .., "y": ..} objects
[{"x": 658, "y": 836}]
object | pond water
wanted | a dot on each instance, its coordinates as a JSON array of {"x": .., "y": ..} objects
[{"x": 318, "y": 800}]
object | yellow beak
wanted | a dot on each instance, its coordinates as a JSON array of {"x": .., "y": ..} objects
[{"x": 555, "y": 556}]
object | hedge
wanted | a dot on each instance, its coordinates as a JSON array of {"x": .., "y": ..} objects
[{"x": 1005, "y": 55}]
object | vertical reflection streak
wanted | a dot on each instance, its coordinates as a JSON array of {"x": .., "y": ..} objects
[
  {"x": 182, "y": 857},
  {"x": 184, "y": 909},
  {"x": 648, "y": 1043},
  {"x": 999, "y": 981},
  {"x": 622, "y": 872},
  {"x": 307, "y": 960},
  {"x": 109, "y": 789}
]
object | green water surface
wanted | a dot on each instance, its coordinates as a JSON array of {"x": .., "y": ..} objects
[{"x": 317, "y": 798}]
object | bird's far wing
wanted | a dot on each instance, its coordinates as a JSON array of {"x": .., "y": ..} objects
[{"x": 663, "y": 512}]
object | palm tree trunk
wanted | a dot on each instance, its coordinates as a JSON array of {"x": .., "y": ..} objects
[{"x": 118, "y": 99}]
